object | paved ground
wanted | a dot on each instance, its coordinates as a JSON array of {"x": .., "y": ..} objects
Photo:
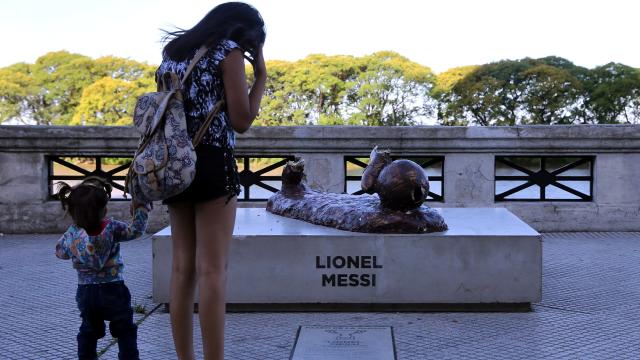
[{"x": 590, "y": 310}]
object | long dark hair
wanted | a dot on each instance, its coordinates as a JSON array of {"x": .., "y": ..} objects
[
  {"x": 85, "y": 202},
  {"x": 235, "y": 21}
]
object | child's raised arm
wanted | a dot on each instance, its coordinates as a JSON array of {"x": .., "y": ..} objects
[{"x": 124, "y": 232}]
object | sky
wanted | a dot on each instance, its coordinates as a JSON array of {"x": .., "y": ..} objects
[{"x": 438, "y": 34}]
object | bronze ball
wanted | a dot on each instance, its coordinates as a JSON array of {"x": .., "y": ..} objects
[{"x": 402, "y": 185}]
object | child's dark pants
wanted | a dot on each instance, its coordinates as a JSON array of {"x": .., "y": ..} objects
[{"x": 100, "y": 302}]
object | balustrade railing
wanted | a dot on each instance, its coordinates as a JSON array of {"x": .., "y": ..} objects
[{"x": 556, "y": 178}]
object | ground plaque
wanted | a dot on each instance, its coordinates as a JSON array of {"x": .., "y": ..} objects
[{"x": 344, "y": 343}]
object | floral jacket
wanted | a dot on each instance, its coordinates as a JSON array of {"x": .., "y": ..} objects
[{"x": 97, "y": 257}]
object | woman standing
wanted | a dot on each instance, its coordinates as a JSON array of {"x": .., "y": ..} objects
[{"x": 203, "y": 216}]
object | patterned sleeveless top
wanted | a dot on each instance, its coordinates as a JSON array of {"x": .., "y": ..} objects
[{"x": 202, "y": 90}]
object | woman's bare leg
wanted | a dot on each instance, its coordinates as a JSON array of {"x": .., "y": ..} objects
[
  {"x": 214, "y": 227},
  {"x": 183, "y": 277}
]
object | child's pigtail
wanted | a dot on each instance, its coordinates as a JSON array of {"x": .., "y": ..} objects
[
  {"x": 107, "y": 189},
  {"x": 64, "y": 190}
]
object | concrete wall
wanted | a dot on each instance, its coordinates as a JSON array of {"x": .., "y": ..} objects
[{"x": 468, "y": 171}]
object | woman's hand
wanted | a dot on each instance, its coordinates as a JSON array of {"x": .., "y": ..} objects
[{"x": 259, "y": 67}]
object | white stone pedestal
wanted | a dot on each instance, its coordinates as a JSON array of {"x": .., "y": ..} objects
[{"x": 489, "y": 259}]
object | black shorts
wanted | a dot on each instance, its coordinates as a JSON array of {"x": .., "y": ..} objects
[{"x": 216, "y": 176}]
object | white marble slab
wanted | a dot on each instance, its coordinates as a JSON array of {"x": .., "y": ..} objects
[
  {"x": 461, "y": 221},
  {"x": 487, "y": 256}
]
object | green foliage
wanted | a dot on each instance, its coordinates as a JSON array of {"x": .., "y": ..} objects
[
  {"x": 109, "y": 101},
  {"x": 140, "y": 309},
  {"x": 391, "y": 90},
  {"x": 614, "y": 94},
  {"x": 18, "y": 93},
  {"x": 62, "y": 88},
  {"x": 448, "y": 111},
  {"x": 490, "y": 94},
  {"x": 282, "y": 104},
  {"x": 550, "y": 95},
  {"x": 381, "y": 89},
  {"x": 445, "y": 81},
  {"x": 63, "y": 76},
  {"x": 549, "y": 90}
]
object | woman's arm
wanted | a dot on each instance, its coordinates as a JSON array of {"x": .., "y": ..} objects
[{"x": 242, "y": 109}]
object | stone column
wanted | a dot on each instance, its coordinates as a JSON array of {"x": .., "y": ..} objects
[
  {"x": 324, "y": 171},
  {"x": 469, "y": 180},
  {"x": 616, "y": 191},
  {"x": 24, "y": 192}
]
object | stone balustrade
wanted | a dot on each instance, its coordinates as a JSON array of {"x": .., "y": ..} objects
[{"x": 468, "y": 172}]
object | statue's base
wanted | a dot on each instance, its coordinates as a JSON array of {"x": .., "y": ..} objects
[{"x": 488, "y": 260}]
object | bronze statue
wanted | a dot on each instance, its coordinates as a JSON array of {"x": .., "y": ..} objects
[{"x": 401, "y": 186}]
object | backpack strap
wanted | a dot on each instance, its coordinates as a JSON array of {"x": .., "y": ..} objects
[
  {"x": 216, "y": 108},
  {"x": 159, "y": 114},
  {"x": 205, "y": 125},
  {"x": 199, "y": 54}
]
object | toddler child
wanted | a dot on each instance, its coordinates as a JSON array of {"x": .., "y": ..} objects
[{"x": 93, "y": 245}]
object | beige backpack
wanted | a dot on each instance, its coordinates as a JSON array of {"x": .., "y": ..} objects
[{"x": 165, "y": 163}]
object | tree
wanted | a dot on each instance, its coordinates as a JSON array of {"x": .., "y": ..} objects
[
  {"x": 324, "y": 81},
  {"x": 509, "y": 92},
  {"x": 124, "y": 69},
  {"x": 613, "y": 92},
  {"x": 308, "y": 91},
  {"x": 477, "y": 99},
  {"x": 381, "y": 89},
  {"x": 390, "y": 90},
  {"x": 550, "y": 94},
  {"x": 50, "y": 91},
  {"x": 62, "y": 77},
  {"x": 448, "y": 113},
  {"x": 109, "y": 101},
  {"x": 20, "y": 96}
]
